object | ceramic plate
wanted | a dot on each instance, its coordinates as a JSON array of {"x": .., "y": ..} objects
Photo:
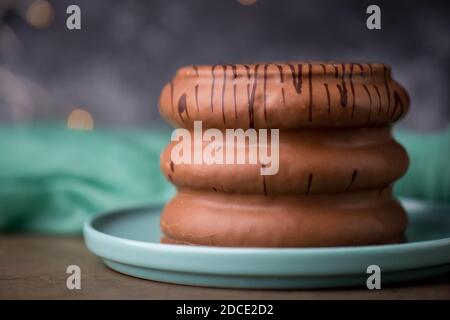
[{"x": 128, "y": 242}]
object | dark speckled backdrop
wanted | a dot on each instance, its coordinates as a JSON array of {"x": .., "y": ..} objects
[{"x": 117, "y": 64}]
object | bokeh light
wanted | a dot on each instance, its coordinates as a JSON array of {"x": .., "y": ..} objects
[
  {"x": 247, "y": 2},
  {"x": 80, "y": 119},
  {"x": 40, "y": 14}
]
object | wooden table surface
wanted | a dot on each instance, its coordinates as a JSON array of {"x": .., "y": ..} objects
[{"x": 34, "y": 267}]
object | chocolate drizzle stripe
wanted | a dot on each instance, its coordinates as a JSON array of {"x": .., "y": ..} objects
[
  {"x": 310, "y": 179},
  {"x": 251, "y": 101},
  {"x": 352, "y": 87},
  {"x": 264, "y": 185},
  {"x": 388, "y": 92},
  {"x": 233, "y": 68},
  {"x": 264, "y": 91},
  {"x": 172, "y": 167},
  {"x": 212, "y": 87},
  {"x": 196, "y": 87},
  {"x": 223, "y": 92},
  {"x": 182, "y": 107},
  {"x": 186, "y": 107},
  {"x": 324, "y": 69},
  {"x": 379, "y": 98},
  {"x": 370, "y": 70},
  {"x": 328, "y": 97},
  {"x": 235, "y": 75},
  {"x": 355, "y": 173},
  {"x": 196, "y": 97},
  {"x": 280, "y": 70},
  {"x": 361, "y": 69},
  {"x": 310, "y": 91},
  {"x": 297, "y": 77},
  {"x": 370, "y": 102},
  {"x": 247, "y": 69},
  {"x": 343, "y": 88},
  {"x": 234, "y": 97},
  {"x": 336, "y": 71}
]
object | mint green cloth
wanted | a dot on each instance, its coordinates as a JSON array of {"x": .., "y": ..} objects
[
  {"x": 52, "y": 178},
  {"x": 428, "y": 176}
]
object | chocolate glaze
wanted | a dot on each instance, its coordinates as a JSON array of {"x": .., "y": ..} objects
[
  {"x": 220, "y": 219},
  {"x": 331, "y": 155},
  {"x": 253, "y": 97},
  {"x": 337, "y": 158}
]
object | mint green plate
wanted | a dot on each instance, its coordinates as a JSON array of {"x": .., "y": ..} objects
[{"x": 128, "y": 242}]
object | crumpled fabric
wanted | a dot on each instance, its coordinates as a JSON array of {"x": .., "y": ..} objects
[
  {"x": 428, "y": 176},
  {"x": 53, "y": 178}
]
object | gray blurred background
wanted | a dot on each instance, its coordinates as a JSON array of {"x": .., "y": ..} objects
[{"x": 115, "y": 67}]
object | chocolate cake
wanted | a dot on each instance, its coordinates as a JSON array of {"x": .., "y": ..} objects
[{"x": 337, "y": 157}]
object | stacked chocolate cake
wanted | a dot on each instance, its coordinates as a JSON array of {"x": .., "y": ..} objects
[{"x": 337, "y": 157}]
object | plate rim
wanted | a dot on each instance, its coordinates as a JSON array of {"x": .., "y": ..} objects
[{"x": 166, "y": 256}]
